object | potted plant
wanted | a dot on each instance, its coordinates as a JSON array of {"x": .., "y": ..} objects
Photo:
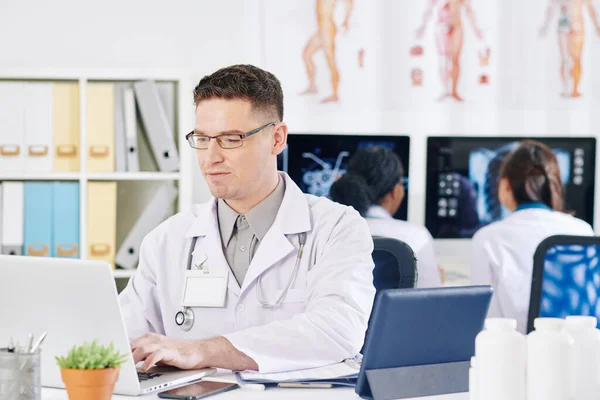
[{"x": 90, "y": 371}]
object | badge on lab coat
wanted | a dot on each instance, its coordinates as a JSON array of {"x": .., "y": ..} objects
[{"x": 204, "y": 286}]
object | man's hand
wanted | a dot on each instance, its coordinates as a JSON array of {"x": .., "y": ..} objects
[
  {"x": 153, "y": 349},
  {"x": 218, "y": 352}
]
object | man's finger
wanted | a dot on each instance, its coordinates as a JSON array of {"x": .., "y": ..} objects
[
  {"x": 152, "y": 359},
  {"x": 142, "y": 352}
]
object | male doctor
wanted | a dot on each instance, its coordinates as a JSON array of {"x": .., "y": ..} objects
[{"x": 261, "y": 277}]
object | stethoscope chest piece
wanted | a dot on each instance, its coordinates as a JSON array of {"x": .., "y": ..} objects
[{"x": 185, "y": 318}]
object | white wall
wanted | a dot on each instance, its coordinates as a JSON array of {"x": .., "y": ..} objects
[{"x": 195, "y": 35}]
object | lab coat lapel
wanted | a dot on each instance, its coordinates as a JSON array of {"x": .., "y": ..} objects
[
  {"x": 292, "y": 218},
  {"x": 206, "y": 228}
]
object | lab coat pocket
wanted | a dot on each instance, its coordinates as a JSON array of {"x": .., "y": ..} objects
[
  {"x": 293, "y": 303},
  {"x": 292, "y": 296}
]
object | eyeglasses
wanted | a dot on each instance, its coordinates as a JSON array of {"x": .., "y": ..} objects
[{"x": 227, "y": 141}]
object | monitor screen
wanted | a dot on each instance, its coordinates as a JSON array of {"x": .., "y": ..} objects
[
  {"x": 462, "y": 177},
  {"x": 315, "y": 161}
]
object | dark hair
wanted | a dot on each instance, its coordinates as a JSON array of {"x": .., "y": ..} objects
[
  {"x": 372, "y": 173},
  {"x": 246, "y": 82},
  {"x": 534, "y": 176}
]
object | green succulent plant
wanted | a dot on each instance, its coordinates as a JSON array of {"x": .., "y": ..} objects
[{"x": 92, "y": 356}]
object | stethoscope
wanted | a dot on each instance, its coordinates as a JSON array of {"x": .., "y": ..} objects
[{"x": 184, "y": 318}]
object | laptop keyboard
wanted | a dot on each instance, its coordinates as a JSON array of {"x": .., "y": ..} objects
[{"x": 146, "y": 376}]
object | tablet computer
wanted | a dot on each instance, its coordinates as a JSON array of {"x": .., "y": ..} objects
[{"x": 423, "y": 327}]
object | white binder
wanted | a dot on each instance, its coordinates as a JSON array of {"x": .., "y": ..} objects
[
  {"x": 154, "y": 213},
  {"x": 130, "y": 123},
  {"x": 12, "y": 218},
  {"x": 39, "y": 121},
  {"x": 12, "y": 127},
  {"x": 166, "y": 92},
  {"x": 120, "y": 143},
  {"x": 157, "y": 127}
]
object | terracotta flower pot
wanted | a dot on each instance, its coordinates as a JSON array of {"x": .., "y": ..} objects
[{"x": 90, "y": 384}]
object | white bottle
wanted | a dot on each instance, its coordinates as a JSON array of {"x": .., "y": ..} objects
[
  {"x": 500, "y": 351},
  {"x": 548, "y": 360},
  {"x": 585, "y": 371}
]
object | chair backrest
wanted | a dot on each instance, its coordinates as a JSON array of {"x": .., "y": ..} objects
[
  {"x": 395, "y": 264},
  {"x": 566, "y": 278}
]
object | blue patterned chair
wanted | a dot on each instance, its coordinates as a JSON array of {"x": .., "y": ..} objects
[{"x": 566, "y": 278}]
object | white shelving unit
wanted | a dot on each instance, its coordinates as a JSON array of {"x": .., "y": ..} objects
[{"x": 184, "y": 114}]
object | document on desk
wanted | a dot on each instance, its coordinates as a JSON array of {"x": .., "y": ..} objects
[{"x": 344, "y": 373}]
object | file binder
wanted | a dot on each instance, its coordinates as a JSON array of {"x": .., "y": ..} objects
[
  {"x": 38, "y": 219},
  {"x": 130, "y": 122},
  {"x": 12, "y": 218},
  {"x": 100, "y": 127},
  {"x": 156, "y": 125},
  {"x": 66, "y": 126},
  {"x": 166, "y": 92},
  {"x": 12, "y": 127},
  {"x": 154, "y": 213},
  {"x": 38, "y": 127},
  {"x": 102, "y": 221},
  {"x": 65, "y": 219},
  {"x": 120, "y": 143}
]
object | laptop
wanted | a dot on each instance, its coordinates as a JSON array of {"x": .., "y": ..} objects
[
  {"x": 74, "y": 301},
  {"x": 420, "y": 328}
]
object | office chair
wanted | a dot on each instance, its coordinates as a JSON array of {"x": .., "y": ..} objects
[
  {"x": 566, "y": 278},
  {"x": 395, "y": 264}
]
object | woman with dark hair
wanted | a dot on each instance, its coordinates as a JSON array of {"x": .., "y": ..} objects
[
  {"x": 373, "y": 185},
  {"x": 502, "y": 255}
]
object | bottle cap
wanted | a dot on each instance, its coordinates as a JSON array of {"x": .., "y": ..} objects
[{"x": 500, "y": 324}]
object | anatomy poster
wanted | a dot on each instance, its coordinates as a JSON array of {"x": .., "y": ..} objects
[
  {"x": 323, "y": 52},
  {"x": 568, "y": 35},
  {"x": 441, "y": 52}
]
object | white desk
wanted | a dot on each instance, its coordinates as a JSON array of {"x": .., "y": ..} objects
[{"x": 268, "y": 394}]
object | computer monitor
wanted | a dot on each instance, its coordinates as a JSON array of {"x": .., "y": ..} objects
[
  {"x": 315, "y": 161},
  {"x": 462, "y": 177},
  {"x": 565, "y": 279}
]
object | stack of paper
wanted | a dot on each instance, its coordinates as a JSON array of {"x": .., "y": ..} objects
[{"x": 344, "y": 373}]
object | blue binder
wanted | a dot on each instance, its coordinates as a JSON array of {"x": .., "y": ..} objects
[
  {"x": 37, "y": 230},
  {"x": 65, "y": 219}
]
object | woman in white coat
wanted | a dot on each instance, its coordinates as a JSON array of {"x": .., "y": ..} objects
[
  {"x": 374, "y": 186},
  {"x": 502, "y": 252}
]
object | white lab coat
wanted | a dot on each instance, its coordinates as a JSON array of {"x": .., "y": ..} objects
[
  {"x": 381, "y": 223},
  {"x": 502, "y": 256},
  {"x": 322, "y": 319}
]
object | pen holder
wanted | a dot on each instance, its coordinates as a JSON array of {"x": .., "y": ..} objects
[{"x": 20, "y": 375}]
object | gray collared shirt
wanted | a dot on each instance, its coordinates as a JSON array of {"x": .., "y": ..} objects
[{"x": 242, "y": 234}]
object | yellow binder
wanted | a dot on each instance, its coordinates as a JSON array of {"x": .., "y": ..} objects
[
  {"x": 100, "y": 127},
  {"x": 66, "y": 127},
  {"x": 102, "y": 221}
]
